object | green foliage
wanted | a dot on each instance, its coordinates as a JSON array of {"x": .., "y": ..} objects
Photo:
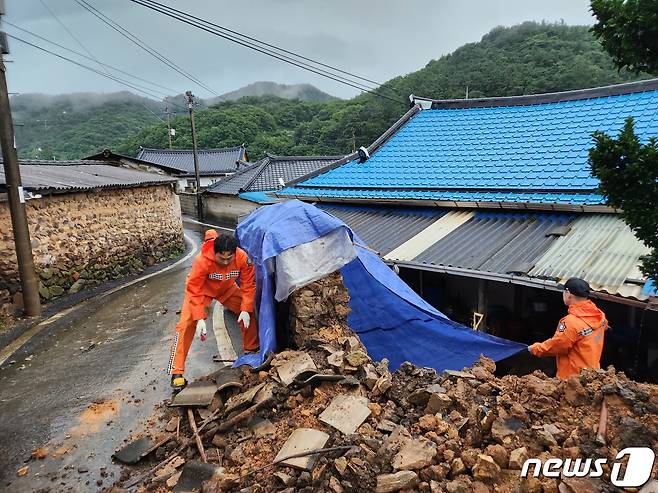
[
  {"x": 74, "y": 127},
  {"x": 626, "y": 168},
  {"x": 524, "y": 59},
  {"x": 628, "y": 171},
  {"x": 628, "y": 31}
]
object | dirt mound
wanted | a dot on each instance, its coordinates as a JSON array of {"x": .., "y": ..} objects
[{"x": 410, "y": 430}]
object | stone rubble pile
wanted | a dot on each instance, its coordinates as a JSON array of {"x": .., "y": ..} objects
[{"x": 408, "y": 430}]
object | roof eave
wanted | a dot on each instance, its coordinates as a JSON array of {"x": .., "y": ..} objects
[
  {"x": 531, "y": 282},
  {"x": 556, "y": 207}
]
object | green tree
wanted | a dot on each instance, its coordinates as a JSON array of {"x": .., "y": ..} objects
[
  {"x": 627, "y": 168},
  {"x": 628, "y": 31},
  {"x": 628, "y": 171}
]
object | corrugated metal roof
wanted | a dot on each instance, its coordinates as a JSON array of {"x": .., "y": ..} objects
[
  {"x": 64, "y": 176},
  {"x": 521, "y": 151},
  {"x": 265, "y": 174},
  {"x": 600, "y": 248},
  {"x": 496, "y": 242},
  {"x": 384, "y": 229},
  {"x": 441, "y": 228},
  {"x": 211, "y": 161}
]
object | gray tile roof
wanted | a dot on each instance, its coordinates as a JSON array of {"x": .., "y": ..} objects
[
  {"x": 264, "y": 175},
  {"x": 70, "y": 176},
  {"x": 211, "y": 161}
]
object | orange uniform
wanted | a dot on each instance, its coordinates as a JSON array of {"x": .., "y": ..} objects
[
  {"x": 578, "y": 340},
  {"x": 207, "y": 281}
]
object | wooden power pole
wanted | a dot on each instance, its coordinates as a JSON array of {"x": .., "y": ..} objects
[
  {"x": 29, "y": 279},
  {"x": 190, "y": 107},
  {"x": 168, "y": 126}
]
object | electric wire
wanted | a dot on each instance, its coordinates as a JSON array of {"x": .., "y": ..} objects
[
  {"x": 264, "y": 43},
  {"x": 343, "y": 80},
  {"x": 142, "y": 44},
  {"x": 109, "y": 76},
  {"x": 82, "y": 55}
]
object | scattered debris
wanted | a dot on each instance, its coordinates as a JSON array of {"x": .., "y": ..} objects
[
  {"x": 40, "y": 453},
  {"x": 195, "y": 473},
  {"x": 346, "y": 413},
  {"x": 22, "y": 471},
  {"x": 297, "y": 364},
  {"x": 325, "y": 417},
  {"x": 137, "y": 450},
  {"x": 195, "y": 394},
  {"x": 302, "y": 440}
]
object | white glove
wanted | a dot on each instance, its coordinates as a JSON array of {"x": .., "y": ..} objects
[
  {"x": 245, "y": 319},
  {"x": 201, "y": 329}
]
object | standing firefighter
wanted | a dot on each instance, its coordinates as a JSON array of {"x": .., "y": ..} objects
[
  {"x": 578, "y": 340},
  {"x": 213, "y": 276}
]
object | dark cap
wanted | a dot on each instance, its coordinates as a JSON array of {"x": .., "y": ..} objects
[{"x": 577, "y": 287}]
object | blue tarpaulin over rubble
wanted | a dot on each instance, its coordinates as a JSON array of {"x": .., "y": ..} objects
[{"x": 390, "y": 318}]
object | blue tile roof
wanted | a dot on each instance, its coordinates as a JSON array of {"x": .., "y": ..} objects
[
  {"x": 447, "y": 196},
  {"x": 517, "y": 153}
]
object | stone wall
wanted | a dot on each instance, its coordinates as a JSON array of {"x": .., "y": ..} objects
[
  {"x": 319, "y": 311},
  {"x": 82, "y": 239}
]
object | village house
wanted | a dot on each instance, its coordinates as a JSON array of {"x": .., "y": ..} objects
[
  {"x": 89, "y": 222},
  {"x": 484, "y": 205},
  {"x": 214, "y": 166},
  {"x": 246, "y": 190}
]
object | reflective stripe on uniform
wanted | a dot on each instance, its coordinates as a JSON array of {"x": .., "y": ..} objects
[{"x": 174, "y": 345}]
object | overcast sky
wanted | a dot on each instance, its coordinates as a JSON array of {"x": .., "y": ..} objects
[{"x": 377, "y": 39}]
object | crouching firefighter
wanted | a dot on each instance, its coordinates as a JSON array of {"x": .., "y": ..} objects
[{"x": 214, "y": 274}]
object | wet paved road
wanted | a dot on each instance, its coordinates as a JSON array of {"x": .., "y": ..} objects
[{"x": 94, "y": 376}]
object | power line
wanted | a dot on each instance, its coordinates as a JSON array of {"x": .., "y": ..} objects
[
  {"x": 256, "y": 40},
  {"x": 163, "y": 9},
  {"x": 142, "y": 44},
  {"x": 71, "y": 34},
  {"x": 109, "y": 76},
  {"x": 336, "y": 77},
  {"x": 91, "y": 55},
  {"x": 171, "y": 90}
]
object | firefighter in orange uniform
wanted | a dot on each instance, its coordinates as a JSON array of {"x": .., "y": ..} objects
[
  {"x": 213, "y": 276},
  {"x": 578, "y": 340}
]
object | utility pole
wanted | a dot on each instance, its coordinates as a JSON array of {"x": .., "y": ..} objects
[
  {"x": 168, "y": 126},
  {"x": 190, "y": 107},
  {"x": 29, "y": 280}
]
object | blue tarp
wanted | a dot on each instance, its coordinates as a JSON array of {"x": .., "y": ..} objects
[
  {"x": 650, "y": 288},
  {"x": 258, "y": 197},
  {"x": 391, "y": 319}
]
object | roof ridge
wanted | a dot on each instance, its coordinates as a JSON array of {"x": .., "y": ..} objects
[
  {"x": 266, "y": 162},
  {"x": 237, "y": 174},
  {"x": 64, "y": 162},
  {"x": 307, "y": 158},
  {"x": 543, "y": 98},
  {"x": 178, "y": 151},
  {"x": 380, "y": 141}
]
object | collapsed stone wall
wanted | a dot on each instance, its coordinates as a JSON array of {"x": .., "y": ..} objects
[
  {"x": 411, "y": 430},
  {"x": 320, "y": 310},
  {"x": 81, "y": 239}
]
